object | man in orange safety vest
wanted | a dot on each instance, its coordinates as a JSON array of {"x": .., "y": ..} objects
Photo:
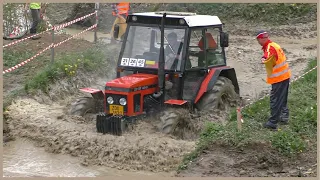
[
  {"x": 121, "y": 11},
  {"x": 279, "y": 80}
]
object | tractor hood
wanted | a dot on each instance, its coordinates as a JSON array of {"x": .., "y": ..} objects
[{"x": 133, "y": 81}]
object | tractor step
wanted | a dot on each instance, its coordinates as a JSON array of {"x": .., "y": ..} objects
[{"x": 107, "y": 124}]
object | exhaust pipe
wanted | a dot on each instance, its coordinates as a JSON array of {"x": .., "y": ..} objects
[{"x": 161, "y": 73}]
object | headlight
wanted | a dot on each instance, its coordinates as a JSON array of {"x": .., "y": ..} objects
[
  {"x": 123, "y": 101},
  {"x": 110, "y": 100}
]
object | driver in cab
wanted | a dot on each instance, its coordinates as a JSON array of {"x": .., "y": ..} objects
[{"x": 171, "y": 50}]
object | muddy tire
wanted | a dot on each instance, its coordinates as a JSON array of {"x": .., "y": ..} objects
[
  {"x": 82, "y": 106},
  {"x": 220, "y": 97},
  {"x": 169, "y": 119},
  {"x": 177, "y": 122}
]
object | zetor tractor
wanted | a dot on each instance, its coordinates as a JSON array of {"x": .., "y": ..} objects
[{"x": 168, "y": 60}]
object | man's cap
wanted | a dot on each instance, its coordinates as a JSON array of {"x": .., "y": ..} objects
[{"x": 262, "y": 34}]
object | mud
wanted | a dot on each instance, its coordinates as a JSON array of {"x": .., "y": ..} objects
[
  {"x": 58, "y": 133},
  {"x": 225, "y": 161},
  {"x": 144, "y": 148}
]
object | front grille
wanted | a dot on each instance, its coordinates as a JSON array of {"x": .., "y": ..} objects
[
  {"x": 192, "y": 84},
  {"x": 116, "y": 98},
  {"x": 137, "y": 103}
]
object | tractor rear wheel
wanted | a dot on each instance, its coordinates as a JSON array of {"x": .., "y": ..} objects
[
  {"x": 222, "y": 95},
  {"x": 82, "y": 106}
]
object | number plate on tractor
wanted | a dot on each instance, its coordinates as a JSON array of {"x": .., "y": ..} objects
[{"x": 116, "y": 109}]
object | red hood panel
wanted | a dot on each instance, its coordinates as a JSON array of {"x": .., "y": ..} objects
[{"x": 133, "y": 80}]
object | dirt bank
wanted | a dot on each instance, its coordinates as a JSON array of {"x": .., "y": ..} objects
[
  {"x": 144, "y": 148},
  {"x": 224, "y": 161}
]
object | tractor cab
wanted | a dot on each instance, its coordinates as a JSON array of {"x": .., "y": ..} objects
[
  {"x": 166, "y": 59},
  {"x": 183, "y": 39}
]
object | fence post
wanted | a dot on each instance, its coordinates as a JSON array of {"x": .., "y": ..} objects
[
  {"x": 97, "y": 20},
  {"x": 52, "y": 48}
]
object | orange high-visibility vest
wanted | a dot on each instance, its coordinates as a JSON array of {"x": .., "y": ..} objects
[
  {"x": 281, "y": 70},
  {"x": 123, "y": 8}
]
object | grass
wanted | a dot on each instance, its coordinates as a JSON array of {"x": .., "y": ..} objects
[
  {"x": 66, "y": 66},
  {"x": 300, "y": 135},
  {"x": 13, "y": 57}
]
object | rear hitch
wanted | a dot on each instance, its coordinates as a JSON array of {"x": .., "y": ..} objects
[{"x": 109, "y": 124}]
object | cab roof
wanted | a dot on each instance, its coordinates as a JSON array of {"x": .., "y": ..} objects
[{"x": 192, "y": 19}]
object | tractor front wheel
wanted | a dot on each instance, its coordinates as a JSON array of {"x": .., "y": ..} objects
[
  {"x": 177, "y": 122},
  {"x": 82, "y": 106},
  {"x": 169, "y": 119},
  {"x": 222, "y": 95}
]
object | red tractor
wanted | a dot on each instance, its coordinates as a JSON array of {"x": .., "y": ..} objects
[{"x": 184, "y": 68}]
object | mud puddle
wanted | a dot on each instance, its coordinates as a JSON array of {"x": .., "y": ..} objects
[{"x": 22, "y": 158}]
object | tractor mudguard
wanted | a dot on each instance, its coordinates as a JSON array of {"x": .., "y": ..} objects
[
  {"x": 97, "y": 94},
  {"x": 212, "y": 77}
]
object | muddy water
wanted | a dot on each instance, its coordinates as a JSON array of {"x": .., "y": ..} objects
[{"x": 21, "y": 158}]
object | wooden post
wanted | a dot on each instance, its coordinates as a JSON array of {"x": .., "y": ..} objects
[
  {"x": 239, "y": 118},
  {"x": 52, "y": 48},
  {"x": 97, "y": 21}
]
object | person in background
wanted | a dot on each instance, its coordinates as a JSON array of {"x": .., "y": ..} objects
[
  {"x": 279, "y": 80},
  {"x": 120, "y": 11},
  {"x": 36, "y": 11}
]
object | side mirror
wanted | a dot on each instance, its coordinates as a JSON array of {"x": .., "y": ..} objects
[
  {"x": 116, "y": 31},
  {"x": 224, "y": 39}
]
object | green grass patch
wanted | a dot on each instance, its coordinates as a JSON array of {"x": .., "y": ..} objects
[
  {"x": 66, "y": 65},
  {"x": 12, "y": 57},
  {"x": 290, "y": 140}
]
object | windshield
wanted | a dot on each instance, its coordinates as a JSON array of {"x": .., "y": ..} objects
[{"x": 142, "y": 47}]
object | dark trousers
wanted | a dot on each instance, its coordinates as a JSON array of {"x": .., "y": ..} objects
[
  {"x": 279, "y": 102},
  {"x": 35, "y": 20}
]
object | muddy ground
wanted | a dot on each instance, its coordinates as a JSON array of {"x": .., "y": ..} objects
[
  {"x": 145, "y": 149},
  {"x": 256, "y": 160}
]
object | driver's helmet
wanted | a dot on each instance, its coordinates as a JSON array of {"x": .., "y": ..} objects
[{"x": 172, "y": 36}]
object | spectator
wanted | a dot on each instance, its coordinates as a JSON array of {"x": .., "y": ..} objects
[
  {"x": 279, "y": 80},
  {"x": 121, "y": 11},
  {"x": 36, "y": 11}
]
